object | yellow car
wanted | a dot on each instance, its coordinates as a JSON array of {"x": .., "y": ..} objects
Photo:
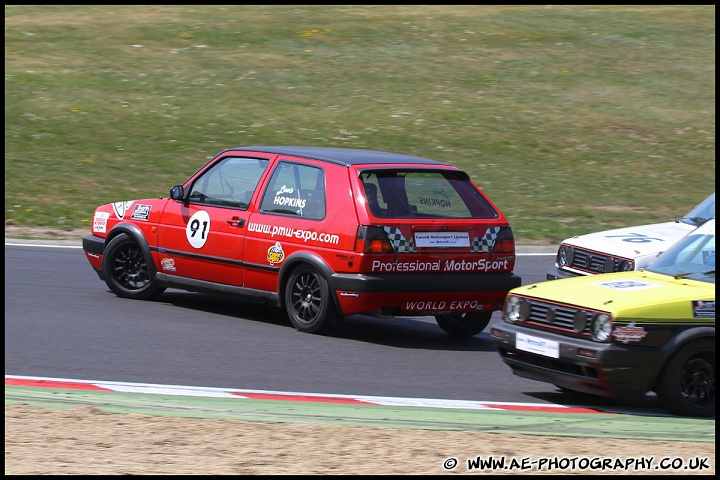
[{"x": 621, "y": 335}]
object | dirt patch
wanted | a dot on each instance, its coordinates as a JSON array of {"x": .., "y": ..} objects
[
  {"x": 39, "y": 233},
  {"x": 89, "y": 441}
]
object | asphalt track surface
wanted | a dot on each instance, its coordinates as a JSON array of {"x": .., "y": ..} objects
[{"x": 538, "y": 418}]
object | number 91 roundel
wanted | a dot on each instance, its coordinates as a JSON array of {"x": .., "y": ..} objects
[{"x": 198, "y": 228}]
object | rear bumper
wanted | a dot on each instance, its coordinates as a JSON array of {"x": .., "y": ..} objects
[
  {"x": 418, "y": 282},
  {"x": 422, "y": 294}
]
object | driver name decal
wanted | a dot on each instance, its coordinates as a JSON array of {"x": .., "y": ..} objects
[{"x": 284, "y": 197}]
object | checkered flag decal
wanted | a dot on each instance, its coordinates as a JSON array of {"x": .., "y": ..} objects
[
  {"x": 399, "y": 242},
  {"x": 487, "y": 242}
]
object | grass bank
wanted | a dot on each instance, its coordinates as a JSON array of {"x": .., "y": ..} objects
[{"x": 572, "y": 118}]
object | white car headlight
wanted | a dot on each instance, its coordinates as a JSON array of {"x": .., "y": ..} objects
[
  {"x": 564, "y": 256},
  {"x": 626, "y": 266},
  {"x": 601, "y": 327}
]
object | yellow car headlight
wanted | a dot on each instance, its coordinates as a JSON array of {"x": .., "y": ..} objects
[{"x": 601, "y": 327}]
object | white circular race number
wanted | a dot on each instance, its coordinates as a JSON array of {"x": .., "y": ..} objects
[{"x": 198, "y": 228}]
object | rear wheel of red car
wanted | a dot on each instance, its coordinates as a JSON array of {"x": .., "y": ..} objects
[
  {"x": 687, "y": 385},
  {"x": 308, "y": 302},
  {"x": 463, "y": 324},
  {"x": 125, "y": 269}
]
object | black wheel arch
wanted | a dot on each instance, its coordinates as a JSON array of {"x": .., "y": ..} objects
[
  {"x": 136, "y": 234},
  {"x": 299, "y": 258},
  {"x": 677, "y": 342}
]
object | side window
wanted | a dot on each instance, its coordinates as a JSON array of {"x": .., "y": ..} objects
[
  {"x": 229, "y": 183},
  {"x": 295, "y": 189}
]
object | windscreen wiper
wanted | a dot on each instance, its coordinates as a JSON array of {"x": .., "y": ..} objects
[{"x": 683, "y": 275}]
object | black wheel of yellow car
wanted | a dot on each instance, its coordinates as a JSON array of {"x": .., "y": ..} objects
[
  {"x": 308, "y": 301},
  {"x": 687, "y": 385},
  {"x": 463, "y": 324},
  {"x": 125, "y": 269}
]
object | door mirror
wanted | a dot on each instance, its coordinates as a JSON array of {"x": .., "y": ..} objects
[{"x": 177, "y": 193}]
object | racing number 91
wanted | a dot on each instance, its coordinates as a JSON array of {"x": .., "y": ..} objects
[{"x": 198, "y": 228}]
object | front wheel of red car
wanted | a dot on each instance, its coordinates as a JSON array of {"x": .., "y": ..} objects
[
  {"x": 308, "y": 301},
  {"x": 463, "y": 324},
  {"x": 687, "y": 385},
  {"x": 125, "y": 269}
]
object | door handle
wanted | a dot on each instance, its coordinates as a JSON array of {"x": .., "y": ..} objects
[{"x": 236, "y": 222}]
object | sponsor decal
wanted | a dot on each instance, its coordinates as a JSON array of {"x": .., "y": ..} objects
[
  {"x": 168, "y": 264},
  {"x": 100, "y": 222},
  {"x": 442, "y": 239},
  {"x": 121, "y": 208},
  {"x": 289, "y": 232},
  {"x": 141, "y": 212},
  {"x": 629, "y": 333},
  {"x": 481, "y": 265},
  {"x": 349, "y": 294},
  {"x": 626, "y": 285},
  {"x": 402, "y": 244},
  {"x": 443, "y": 306},
  {"x": 540, "y": 346},
  {"x": 198, "y": 229},
  {"x": 703, "y": 308},
  {"x": 275, "y": 254}
]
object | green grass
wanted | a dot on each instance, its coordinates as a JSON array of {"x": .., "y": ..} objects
[{"x": 572, "y": 118}]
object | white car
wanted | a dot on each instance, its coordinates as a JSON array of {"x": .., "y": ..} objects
[{"x": 625, "y": 249}]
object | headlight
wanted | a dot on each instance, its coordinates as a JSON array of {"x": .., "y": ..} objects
[
  {"x": 564, "y": 256},
  {"x": 601, "y": 327},
  {"x": 625, "y": 266},
  {"x": 512, "y": 308},
  {"x": 516, "y": 308}
]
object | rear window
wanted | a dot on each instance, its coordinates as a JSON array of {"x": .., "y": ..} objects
[{"x": 393, "y": 193}]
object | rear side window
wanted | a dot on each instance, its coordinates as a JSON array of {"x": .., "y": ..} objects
[
  {"x": 395, "y": 193},
  {"x": 295, "y": 189}
]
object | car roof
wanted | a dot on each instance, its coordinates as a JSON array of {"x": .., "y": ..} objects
[{"x": 343, "y": 156}]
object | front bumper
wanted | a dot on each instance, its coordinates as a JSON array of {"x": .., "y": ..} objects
[
  {"x": 94, "y": 248},
  {"x": 613, "y": 370},
  {"x": 555, "y": 274}
]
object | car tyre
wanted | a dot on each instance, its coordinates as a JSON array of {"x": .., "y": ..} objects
[
  {"x": 687, "y": 385},
  {"x": 125, "y": 269},
  {"x": 464, "y": 324},
  {"x": 308, "y": 302}
]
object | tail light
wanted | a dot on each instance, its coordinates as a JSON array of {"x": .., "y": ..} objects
[
  {"x": 372, "y": 240},
  {"x": 505, "y": 241}
]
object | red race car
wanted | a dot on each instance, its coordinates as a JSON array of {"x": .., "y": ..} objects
[{"x": 320, "y": 232}]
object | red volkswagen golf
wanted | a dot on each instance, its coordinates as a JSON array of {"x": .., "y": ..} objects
[{"x": 320, "y": 232}]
